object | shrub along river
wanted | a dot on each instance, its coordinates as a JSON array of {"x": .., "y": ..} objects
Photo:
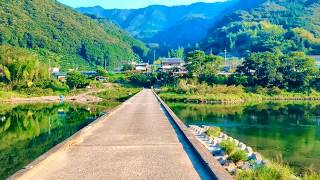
[
  {"x": 286, "y": 132},
  {"x": 28, "y": 131}
]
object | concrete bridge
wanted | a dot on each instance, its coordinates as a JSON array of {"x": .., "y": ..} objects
[{"x": 139, "y": 140}]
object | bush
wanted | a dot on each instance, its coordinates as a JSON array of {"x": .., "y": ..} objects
[
  {"x": 213, "y": 132},
  {"x": 271, "y": 172},
  {"x": 145, "y": 80},
  {"x": 227, "y": 146},
  {"x": 76, "y": 80},
  {"x": 36, "y": 91},
  {"x": 275, "y": 91},
  {"x": 192, "y": 86},
  {"x": 311, "y": 176},
  {"x": 128, "y": 67},
  {"x": 261, "y": 90},
  {"x": 239, "y": 155},
  {"x": 58, "y": 86}
]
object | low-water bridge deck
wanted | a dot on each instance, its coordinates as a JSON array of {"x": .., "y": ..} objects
[{"x": 136, "y": 141}]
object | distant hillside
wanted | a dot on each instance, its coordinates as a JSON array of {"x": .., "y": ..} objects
[
  {"x": 68, "y": 37},
  {"x": 269, "y": 25},
  {"x": 168, "y": 26}
]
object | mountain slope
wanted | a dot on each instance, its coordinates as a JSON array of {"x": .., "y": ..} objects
[
  {"x": 270, "y": 25},
  {"x": 168, "y": 26},
  {"x": 74, "y": 40}
]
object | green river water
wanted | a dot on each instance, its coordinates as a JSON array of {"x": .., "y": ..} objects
[
  {"x": 28, "y": 131},
  {"x": 286, "y": 132}
]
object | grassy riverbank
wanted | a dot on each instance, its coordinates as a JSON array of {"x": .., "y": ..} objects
[
  {"x": 203, "y": 93},
  {"x": 115, "y": 95}
]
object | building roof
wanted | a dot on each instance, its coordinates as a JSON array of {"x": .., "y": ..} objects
[
  {"x": 59, "y": 74},
  {"x": 172, "y": 60},
  {"x": 315, "y": 56},
  {"x": 142, "y": 64},
  {"x": 89, "y": 73}
]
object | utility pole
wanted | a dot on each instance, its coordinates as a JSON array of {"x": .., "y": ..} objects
[
  {"x": 105, "y": 64},
  {"x": 225, "y": 56},
  {"x": 49, "y": 67}
]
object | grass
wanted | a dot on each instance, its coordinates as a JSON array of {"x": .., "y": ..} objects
[
  {"x": 9, "y": 94},
  {"x": 170, "y": 96},
  {"x": 192, "y": 91},
  {"x": 213, "y": 132},
  {"x": 273, "y": 171},
  {"x": 238, "y": 155},
  {"x": 227, "y": 146},
  {"x": 117, "y": 93},
  {"x": 311, "y": 176}
]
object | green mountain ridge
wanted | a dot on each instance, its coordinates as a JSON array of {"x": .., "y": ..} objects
[
  {"x": 271, "y": 25},
  {"x": 169, "y": 26},
  {"x": 71, "y": 39}
]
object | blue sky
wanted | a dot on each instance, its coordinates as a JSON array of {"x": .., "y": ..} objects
[{"x": 125, "y": 4}]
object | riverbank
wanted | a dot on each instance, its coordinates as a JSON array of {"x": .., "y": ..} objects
[
  {"x": 230, "y": 98},
  {"x": 282, "y": 131},
  {"x": 84, "y": 97},
  {"x": 240, "y": 160},
  {"x": 114, "y": 92}
]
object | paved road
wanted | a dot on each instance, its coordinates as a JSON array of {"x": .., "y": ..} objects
[{"x": 137, "y": 141}]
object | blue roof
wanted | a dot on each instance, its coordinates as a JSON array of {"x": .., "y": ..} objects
[{"x": 59, "y": 74}]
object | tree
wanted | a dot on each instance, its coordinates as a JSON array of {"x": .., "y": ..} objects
[
  {"x": 178, "y": 53},
  {"x": 101, "y": 71},
  {"x": 211, "y": 69},
  {"x": 128, "y": 67},
  {"x": 76, "y": 80},
  {"x": 21, "y": 65},
  {"x": 145, "y": 80},
  {"x": 262, "y": 69},
  {"x": 293, "y": 72},
  {"x": 298, "y": 70},
  {"x": 195, "y": 62}
]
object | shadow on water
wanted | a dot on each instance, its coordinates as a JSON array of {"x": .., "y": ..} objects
[{"x": 196, "y": 160}]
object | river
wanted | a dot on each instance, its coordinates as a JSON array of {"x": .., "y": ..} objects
[
  {"x": 286, "y": 132},
  {"x": 28, "y": 131}
]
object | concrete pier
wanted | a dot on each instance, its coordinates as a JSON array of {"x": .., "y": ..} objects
[{"x": 136, "y": 141}]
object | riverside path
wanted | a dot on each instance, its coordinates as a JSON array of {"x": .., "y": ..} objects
[{"x": 136, "y": 141}]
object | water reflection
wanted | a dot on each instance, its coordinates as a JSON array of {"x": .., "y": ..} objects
[
  {"x": 280, "y": 131},
  {"x": 27, "y": 131}
]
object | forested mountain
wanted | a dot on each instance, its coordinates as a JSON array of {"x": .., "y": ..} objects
[
  {"x": 68, "y": 38},
  {"x": 240, "y": 26},
  {"x": 270, "y": 25},
  {"x": 168, "y": 26}
]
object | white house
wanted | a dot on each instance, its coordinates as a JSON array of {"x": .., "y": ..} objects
[{"x": 142, "y": 67}]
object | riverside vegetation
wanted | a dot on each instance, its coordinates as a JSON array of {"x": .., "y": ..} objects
[
  {"x": 251, "y": 169},
  {"x": 261, "y": 76},
  {"x": 283, "y": 132}
]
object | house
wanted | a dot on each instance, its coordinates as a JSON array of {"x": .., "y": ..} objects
[
  {"x": 172, "y": 64},
  {"x": 90, "y": 73},
  {"x": 317, "y": 59},
  {"x": 55, "y": 70},
  {"x": 142, "y": 67},
  {"x": 60, "y": 76}
]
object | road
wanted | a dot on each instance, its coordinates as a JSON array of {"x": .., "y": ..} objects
[{"x": 136, "y": 141}]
